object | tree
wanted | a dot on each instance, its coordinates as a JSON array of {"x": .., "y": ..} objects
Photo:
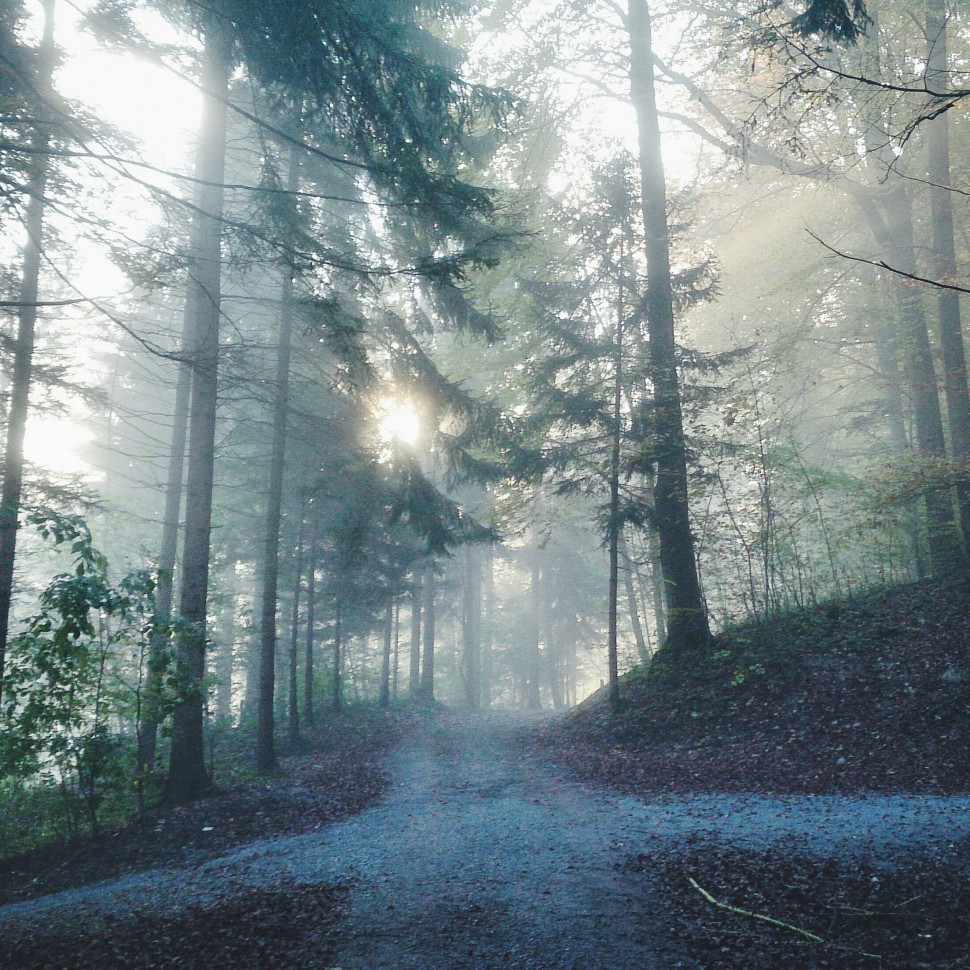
[
  {"x": 687, "y": 629},
  {"x": 265, "y": 753},
  {"x": 944, "y": 261},
  {"x": 36, "y": 190},
  {"x": 401, "y": 114},
  {"x": 187, "y": 775}
]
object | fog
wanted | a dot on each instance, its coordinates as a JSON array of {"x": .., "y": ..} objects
[{"x": 479, "y": 366}]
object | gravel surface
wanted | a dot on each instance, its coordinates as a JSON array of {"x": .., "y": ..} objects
[{"x": 482, "y": 857}]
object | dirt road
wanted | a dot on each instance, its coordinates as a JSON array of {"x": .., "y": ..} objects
[{"x": 482, "y": 857}]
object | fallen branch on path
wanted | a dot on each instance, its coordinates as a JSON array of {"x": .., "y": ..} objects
[{"x": 814, "y": 937}]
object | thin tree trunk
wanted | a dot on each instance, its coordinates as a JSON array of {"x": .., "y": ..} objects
[
  {"x": 335, "y": 685},
  {"x": 414, "y": 673},
  {"x": 13, "y": 460},
  {"x": 687, "y": 628},
  {"x": 533, "y": 673},
  {"x": 952, "y": 354},
  {"x": 187, "y": 776},
  {"x": 293, "y": 708},
  {"x": 311, "y": 588},
  {"x": 427, "y": 660},
  {"x": 554, "y": 672},
  {"x": 643, "y": 650},
  {"x": 614, "y": 514},
  {"x": 488, "y": 608},
  {"x": 894, "y": 230},
  {"x": 168, "y": 553},
  {"x": 472, "y": 653},
  {"x": 384, "y": 699},
  {"x": 224, "y": 675},
  {"x": 396, "y": 669},
  {"x": 265, "y": 749}
]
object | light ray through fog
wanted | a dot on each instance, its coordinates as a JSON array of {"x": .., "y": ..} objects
[{"x": 161, "y": 111}]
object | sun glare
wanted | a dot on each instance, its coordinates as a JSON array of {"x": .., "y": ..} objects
[
  {"x": 53, "y": 443},
  {"x": 399, "y": 422}
]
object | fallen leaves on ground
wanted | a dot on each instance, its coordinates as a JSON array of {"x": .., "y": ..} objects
[
  {"x": 275, "y": 927},
  {"x": 803, "y": 911},
  {"x": 868, "y": 695},
  {"x": 339, "y": 770}
]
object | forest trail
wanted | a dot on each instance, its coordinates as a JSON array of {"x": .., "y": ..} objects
[{"x": 481, "y": 856}]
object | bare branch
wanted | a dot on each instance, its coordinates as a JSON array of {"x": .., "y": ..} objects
[{"x": 881, "y": 264}]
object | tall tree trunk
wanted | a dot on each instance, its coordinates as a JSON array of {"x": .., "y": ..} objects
[
  {"x": 891, "y": 222},
  {"x": 384, "y": 697},
  {"x": 554, "y": 671},
  {"x": 533, "y": 658},
  {"x": 335, "y": 685},
  {"x": 488, "y": 609},
  {"x": 427, "y": 659},
  {"x": 414, "y": 672},
  {"x": 265, "y": 749},
  {"x": 13, "y": 460},
  {"x": 187, "y": 775},
  {"x": 293, "y": 705},
  {"x": 944, "y": 260},
  {"x": 613, "y": 535},
  {"x": 945, "y": 551},
  {"x": 472, "y": 653},
  {"x": 643, "y": 648},
  {"x": 311, "y": 591},
  {"x": 687, "y": 628},
  {"x": 555, "y": 668},
  {"x": 224, "y": 674},
  {"x": 168, "y": 553},
  {"x": 396, "y": 669}
]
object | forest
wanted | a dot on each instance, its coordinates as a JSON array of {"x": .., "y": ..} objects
[{"x": 371, "y": 352}]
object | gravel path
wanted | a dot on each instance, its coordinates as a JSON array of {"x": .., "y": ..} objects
[{"x": 481, "y": 857}]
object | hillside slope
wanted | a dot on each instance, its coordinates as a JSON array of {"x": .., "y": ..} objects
[
  {"x": 864, "y": 696},
  {"x": 869, "y": 694}
]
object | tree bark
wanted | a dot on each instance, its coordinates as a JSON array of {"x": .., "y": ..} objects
[
  {"x": 293, "y": 706},
  {"x": 643, "y": 648},
  {"x": 335, "y": 685},
  {"x": 265, "y": 749},
  {"x": 11, "y": 491},
  {"x": 311, "y": 591},
  {"x": 533, "y": 657},
  {"x": 187, "y": 776},
  {"x": 687, "y": 627},
  {"x": 488, "y": 608},
  {"x": 168, "y": 552},
  {"x": 384, "y": 698},
  {"x": 890, "y": 219},
  {"x": 396, "y": 667},
  {"x": 613, "y": 535},
  {"x": 945, "y": 552},
  {"x": 223, "y": 689},
  {"x": 472, "y": 653},
  {"x": 427, "y": 659},
  {"x": 944, "y": 261},
  {"x": 414, "y": 675}
]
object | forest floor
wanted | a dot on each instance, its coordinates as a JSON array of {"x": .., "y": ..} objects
[{"x": 799, "y": 801}]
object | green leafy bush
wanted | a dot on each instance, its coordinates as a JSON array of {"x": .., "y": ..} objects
[{"x": 89, "y": 667}]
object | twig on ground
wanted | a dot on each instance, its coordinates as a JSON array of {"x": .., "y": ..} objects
[{"x": 814, "y": 937}]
